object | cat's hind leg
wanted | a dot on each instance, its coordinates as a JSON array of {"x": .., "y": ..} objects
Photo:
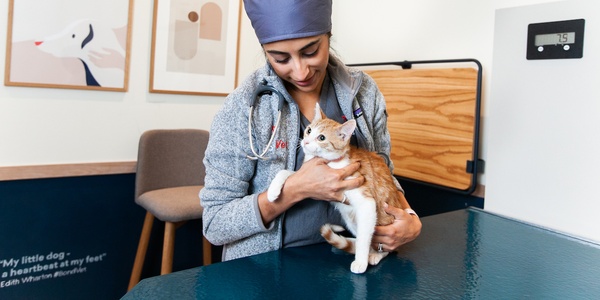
[
  {"x": 366, "y": 218},
  {"x": 375, "y": 257},
  {"x": 329, "y": 233},
  {"x": 277, "y": 184}
]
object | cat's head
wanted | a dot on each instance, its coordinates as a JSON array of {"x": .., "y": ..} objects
[{"x": 327, "y": 138}]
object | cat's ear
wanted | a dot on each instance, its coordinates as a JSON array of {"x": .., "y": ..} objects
[
  {"x": 347, "y": 129},
  {"x": 318, "y": 113}
]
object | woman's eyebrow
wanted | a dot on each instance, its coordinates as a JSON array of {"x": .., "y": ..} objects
[
  {"x": 277, "y": 52},
  {"x": 310, "y": 44}
]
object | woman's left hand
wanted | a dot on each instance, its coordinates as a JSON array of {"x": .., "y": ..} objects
[{"x": 404, "y": 229}]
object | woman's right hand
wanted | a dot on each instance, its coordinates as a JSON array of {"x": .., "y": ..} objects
[{"x": 316, "y": 180}]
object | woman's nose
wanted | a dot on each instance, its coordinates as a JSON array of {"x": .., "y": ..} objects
[{"x": 301, "y": 70}]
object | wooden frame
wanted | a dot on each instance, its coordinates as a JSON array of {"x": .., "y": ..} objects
[
  {"x": 80, "y": 44},
  {"x": 433, "y": 120},
  {"x": 195, "y": 46}
]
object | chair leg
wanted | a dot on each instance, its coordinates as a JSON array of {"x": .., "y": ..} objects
[
  {"x": 168, "y": 248},
  {"x": 206, "y": 252},
  {"x": 141, "y": 251}
]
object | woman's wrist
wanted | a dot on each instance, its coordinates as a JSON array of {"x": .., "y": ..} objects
[
  {"x": 292, "y": 191},
  {"x": 416, "y": 225},
  {"x": 410, "y": 211},
  {"x": 287, "y": 198}
]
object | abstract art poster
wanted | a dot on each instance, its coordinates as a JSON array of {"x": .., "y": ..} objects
[{"x": 195, "y": 46}]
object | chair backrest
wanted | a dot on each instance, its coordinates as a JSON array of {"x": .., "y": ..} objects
[{"x": 170, "y": 158}]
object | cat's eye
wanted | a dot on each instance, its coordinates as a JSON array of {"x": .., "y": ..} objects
[
  {"x": 308, "y": 130},
  {"x": 321, "y": 137}
]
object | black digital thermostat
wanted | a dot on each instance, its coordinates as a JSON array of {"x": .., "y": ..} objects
[{"x": 555, "y": 40}]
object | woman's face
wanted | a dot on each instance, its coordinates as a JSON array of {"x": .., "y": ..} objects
[{"x": 302, "y": 62}]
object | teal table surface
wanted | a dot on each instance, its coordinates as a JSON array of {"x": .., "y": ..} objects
[{"x": 466, "y": 254}]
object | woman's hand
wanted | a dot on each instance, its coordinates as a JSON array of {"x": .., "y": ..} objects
[
  {"x": 404, "y": 229},
  {"x": 315, "y": 179}
]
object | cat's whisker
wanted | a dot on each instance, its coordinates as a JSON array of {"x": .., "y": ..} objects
[{"x": 299, "y": 145}]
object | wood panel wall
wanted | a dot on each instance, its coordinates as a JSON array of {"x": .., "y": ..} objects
[{"x": 431, "y": 122}]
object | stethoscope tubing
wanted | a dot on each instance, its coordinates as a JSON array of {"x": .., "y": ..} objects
[
  {"x": 262, "y": 155},
  {"x": 263, "y": 89}
]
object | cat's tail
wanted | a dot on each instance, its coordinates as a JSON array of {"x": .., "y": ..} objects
[{"x": 329, "y": 232}]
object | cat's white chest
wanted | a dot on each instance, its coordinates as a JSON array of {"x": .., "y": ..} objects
[{"x": 339, "y": 164}]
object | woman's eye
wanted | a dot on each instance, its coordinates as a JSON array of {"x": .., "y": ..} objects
[
  {"x": 321, "y": 137},
  {"x": 279, "y": 58},
  {"x": 311, "y": 54}
]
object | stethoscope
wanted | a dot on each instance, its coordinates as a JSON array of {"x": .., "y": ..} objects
[{"x": 263, "y": 89}]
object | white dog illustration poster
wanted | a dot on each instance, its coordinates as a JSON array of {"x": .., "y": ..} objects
[
  {"x": 79, "y": 44},
  {"x": 194, "y": 46}
]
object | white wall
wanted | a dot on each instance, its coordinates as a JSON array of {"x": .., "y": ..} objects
[{"x": 543, "y": 126}]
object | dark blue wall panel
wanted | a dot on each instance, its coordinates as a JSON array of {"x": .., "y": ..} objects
[{"x": 55, "y": 223}]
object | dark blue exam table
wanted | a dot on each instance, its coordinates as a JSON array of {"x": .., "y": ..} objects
[{"x": 466, "y": 254}]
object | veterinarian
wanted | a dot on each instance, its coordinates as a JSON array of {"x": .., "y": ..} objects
[{"x": 295, "y": 37}]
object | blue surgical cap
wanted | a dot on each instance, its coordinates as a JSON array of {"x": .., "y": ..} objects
[{"x": 276, "y": 20}]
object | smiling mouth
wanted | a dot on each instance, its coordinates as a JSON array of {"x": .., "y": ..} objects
[{"x": 305, "y": 82}]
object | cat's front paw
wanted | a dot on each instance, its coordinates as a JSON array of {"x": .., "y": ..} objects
[
  {"x": 277, "y": 184},
  {"x": 358, "y": 267},
  {"x": 273, "y": 193}
]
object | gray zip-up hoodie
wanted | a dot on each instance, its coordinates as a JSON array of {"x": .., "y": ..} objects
[{"x": 232, "y": 184}]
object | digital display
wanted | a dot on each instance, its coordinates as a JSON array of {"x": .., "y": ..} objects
[{"x": 555, "y": 39}]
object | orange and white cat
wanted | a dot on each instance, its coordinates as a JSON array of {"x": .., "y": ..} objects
[{"x": 365, "y": 207}]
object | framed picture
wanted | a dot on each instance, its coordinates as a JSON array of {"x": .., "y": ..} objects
[
  {"x": 81, "y": 44},
  {"x": 195, "y": 46}
]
